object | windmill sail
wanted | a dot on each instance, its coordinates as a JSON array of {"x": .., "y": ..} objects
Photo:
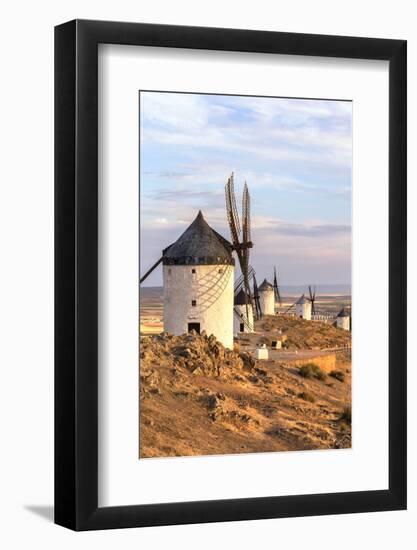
[
  {"x": 291, "y": 306},
  {"x": 312, "y": 298},
  {"x": 256, "y": 298},
  {"x": 240, "y": 280},
  {"x": 240, "y": 246},
  {"x": 155, "y": 265},
  {"x": 276, "y": 288}
]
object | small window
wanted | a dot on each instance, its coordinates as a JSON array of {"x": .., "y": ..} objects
[
  {"x": 220, "y": 271},
  {"x": 193, "y": 271},
  {"x": 169, "y": 271},
  {"x": 193, "y": 302}
]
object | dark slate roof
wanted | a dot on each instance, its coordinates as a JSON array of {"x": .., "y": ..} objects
[
  {"x": 240, "y": 298},
  {"x": 343, "y": 313},
  {"x": 301, "y": 300},
  {"x": 266, "y": 286},
  {"x": 199, "y": 244}
]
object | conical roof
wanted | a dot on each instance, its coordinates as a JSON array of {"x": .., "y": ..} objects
[
  {"x": 240, "y": 299},
  {"x": 265, "y": 286},
  {"x": 343, "y": 313},
  {"x": 302, "y": 300},
  {"x": 199, "y": 244}
]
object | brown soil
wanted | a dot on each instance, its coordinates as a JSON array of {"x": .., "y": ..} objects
[
  {"x": 301, "y": 334},
  {"x": 198, "y": 398}
]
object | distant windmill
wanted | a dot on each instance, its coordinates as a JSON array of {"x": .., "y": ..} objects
[
  {"x": 267, "y": 297},
  {"x": 312, "y": 292},
  {"x": 241, "y": 238},
  {"x": 303, "y": 307}
]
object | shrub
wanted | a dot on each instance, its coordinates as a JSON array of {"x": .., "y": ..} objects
[
  {"x": 338, "y": 374},
  {"x": 312, "y": 370},
  {"x": 307, "y": 396},
  {"x": 346, "y": 415}
]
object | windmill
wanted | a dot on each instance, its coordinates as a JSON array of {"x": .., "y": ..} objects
[
  {"x": 198, "y": 276},
  {"x": 241, "y": 237},
  {"x": 303, "y": 306},
  {"x": 312, "y": 292},
  {"x": 276, "y": 288}
]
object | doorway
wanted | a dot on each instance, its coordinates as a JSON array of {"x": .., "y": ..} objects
[{"x": 194, "y": 326}]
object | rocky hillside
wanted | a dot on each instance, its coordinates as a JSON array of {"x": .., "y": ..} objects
[{"x": 198, "y": 398}]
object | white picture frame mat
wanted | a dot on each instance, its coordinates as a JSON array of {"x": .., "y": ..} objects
[{"x": 123, "y": 478}]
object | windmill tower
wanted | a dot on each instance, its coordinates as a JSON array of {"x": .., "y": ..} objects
[
  {"x": 241, "y": 322},
  {"x": 198, "y": 274},
  {"x": 267, "y": 298},
  {"x": 303, "y": 308},
  {"x": 343, "y": 319}
]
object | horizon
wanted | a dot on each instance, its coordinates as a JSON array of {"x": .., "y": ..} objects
[
  {"x": 284, "y": 287},
  {"x": 295, "y": 155}
]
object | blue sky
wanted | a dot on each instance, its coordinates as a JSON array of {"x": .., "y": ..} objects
[{"x": 296, "y": 156}]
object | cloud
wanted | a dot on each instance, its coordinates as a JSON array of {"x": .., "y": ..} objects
[
  {"x": 173, "y": 110},
  {"x": 295, "y": 154},
  {"x": 324, "y": 230},
  {"x": 285, "y": 129}
]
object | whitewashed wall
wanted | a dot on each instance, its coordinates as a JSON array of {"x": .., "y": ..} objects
[
  {"x": 267, "y": 301},
  {"x": 212, "y": 288},
  {"x": 343, "y": 323},
  {"x": 248, "y": 325},
  {"x": 303, "y": 310}
]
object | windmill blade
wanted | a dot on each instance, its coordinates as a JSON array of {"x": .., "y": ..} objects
[
  {"x": 248, "y": 296},
  {"x": 242, "y": 318},
  {"x": 155, "y": 265},
  {"x": 234, "y": 224},
  {"x": 232, "y": 214},
  {"x": 246, "y": 232},
  {"x": 246, "y": 240},
  {"x": 312, "y": 298},
  {"x": 239, "y": 281},
  {"x": 288, "y": 309},
  {"x": 246, "y": 236},
  {"x": 233, "y": 202},
  {"x": 256, "y": 298},
  {"x": 238, "y": 284},
  {"x": 276, "y": 288}
]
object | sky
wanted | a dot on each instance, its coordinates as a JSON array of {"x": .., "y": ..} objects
[{"x": 294, "y": 154}]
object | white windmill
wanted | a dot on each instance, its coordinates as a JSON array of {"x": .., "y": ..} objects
[
  {"x": 267, "y": 298},
  {"x": 343, "y": 319},
  {"x": 303, "y": 308},
  {"x": 241, "y": 322},
  {"x": 198, "y": 275}
]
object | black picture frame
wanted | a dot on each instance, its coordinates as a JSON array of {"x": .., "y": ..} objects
[{"x": 76, "y": 272}]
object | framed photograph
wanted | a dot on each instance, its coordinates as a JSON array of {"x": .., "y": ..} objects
[{"x": 230, "y": 245}]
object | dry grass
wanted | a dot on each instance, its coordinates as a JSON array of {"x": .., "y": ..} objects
[
  {"x": 312, "y": 371},
  {"x": 191, "y": 405}
]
